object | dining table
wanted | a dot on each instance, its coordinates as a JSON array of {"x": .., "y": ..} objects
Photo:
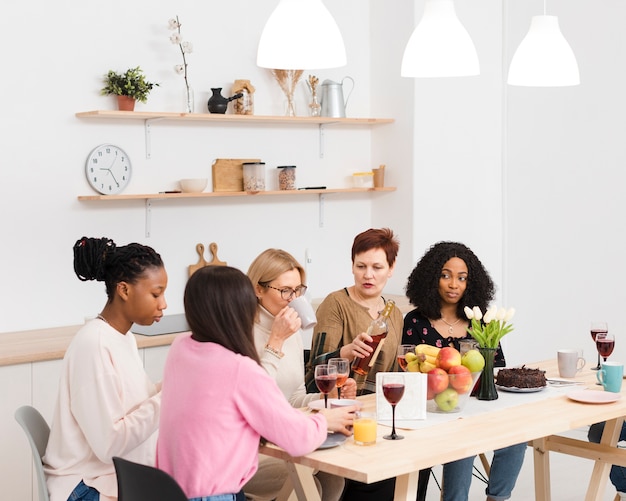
[{"x": 539, "y": 418}]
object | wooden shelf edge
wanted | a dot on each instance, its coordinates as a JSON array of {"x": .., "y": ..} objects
[
  {"x": 223, "y": 194},
  {"x": 209, "y": 117}
]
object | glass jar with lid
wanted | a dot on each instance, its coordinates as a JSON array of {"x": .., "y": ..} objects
[
  {"x": 286, "y": 177},
  {"x": 254, "y": 176}
]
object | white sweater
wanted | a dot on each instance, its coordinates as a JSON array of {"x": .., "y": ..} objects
[
  {"x": 106, "y": 407},
  {"x": 288, "y": 372}
]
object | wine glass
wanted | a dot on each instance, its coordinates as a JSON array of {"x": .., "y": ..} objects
[
  {"x": 599, "y": 327},
  {"x": 605, "y": 343},
  {"x": 325, "y": 379},
  {"x": 403, "y": 349},
  {"x": 393, "y": 389},
  {"x": 343, "y": 371}
]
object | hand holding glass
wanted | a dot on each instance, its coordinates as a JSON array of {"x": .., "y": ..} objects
[
  {"x": 325, "y": 379},
  {"x": 393, "y": 389},
  {"x": 343, "y": 371}
]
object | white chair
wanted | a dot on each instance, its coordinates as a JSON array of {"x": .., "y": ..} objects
[{"x": 37, "y": 431}]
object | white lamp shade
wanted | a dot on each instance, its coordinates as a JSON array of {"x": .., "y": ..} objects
[
  {"x": 440, "y": 46},
  {"x": 301, "y": 35},
  {"x": 544, "y": 58}
]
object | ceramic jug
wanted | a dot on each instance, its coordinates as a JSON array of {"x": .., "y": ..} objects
[
  {"x": 218, "y": 103},
  {"x": 332, "y": 101}
]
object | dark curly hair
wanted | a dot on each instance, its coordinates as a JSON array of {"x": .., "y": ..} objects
[{"x": 422, "y": 287}]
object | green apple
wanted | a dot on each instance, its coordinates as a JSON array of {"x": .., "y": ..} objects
[
  {"x": 447, "y": 400},
  {"x": 473, "y": 360}
]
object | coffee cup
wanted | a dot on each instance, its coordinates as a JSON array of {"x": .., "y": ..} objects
[
  {"x": 569, "y": 363},
  {"x": 365, "y": 430},
  {"x": 610, "y": 376},
  {"x": 305, "y": 311}
]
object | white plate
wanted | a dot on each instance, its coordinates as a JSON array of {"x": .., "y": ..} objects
[
  {"x": 594, "y": 396},
  {"x": 333, "y": 440},
  {"x": 513, "y": 389},
  {"x": 316, "y": 405}
]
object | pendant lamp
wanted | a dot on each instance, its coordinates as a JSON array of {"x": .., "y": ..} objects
[
  {"x": 544, "y": 58},
  {"x": 301, "y": 34},
  {"x": 440, "y": 46}
]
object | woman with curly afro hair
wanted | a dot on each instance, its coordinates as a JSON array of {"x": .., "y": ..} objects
[{"x": 446, "y": 279}]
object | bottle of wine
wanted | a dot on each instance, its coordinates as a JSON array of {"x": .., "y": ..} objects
[{"x": 378, "y": 330}]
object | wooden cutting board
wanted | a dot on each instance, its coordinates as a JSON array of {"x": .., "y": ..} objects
[{"x": 202, "y": 262}]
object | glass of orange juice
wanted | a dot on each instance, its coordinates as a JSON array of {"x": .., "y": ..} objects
[{"x": 364, "y": 428}]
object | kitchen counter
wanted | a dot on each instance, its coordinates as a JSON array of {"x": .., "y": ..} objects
[{"x": 50, "y": 344}]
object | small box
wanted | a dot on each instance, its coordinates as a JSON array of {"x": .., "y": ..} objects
[
  {"x": 227, "y": 174},
  {"x": 363, "y": 179}
]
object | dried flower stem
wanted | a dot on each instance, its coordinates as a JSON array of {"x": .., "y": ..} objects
[{"x": 287, "y": 80}]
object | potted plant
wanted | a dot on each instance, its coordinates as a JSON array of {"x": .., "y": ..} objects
[{"x": 129, "y": 87}]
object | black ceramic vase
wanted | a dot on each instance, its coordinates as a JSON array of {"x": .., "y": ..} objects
[{"x": 218, "y": 103}]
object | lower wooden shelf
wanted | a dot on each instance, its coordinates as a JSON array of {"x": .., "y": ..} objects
[
  {"x": 150, "y": 197},
  {"x": 221, "y": 194}
]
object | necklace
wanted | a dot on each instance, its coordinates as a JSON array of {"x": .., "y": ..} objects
[
  {"x": 450, "y": 325},
  {"x": 106, "y": 321}
]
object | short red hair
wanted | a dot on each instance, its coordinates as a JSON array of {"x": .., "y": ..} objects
[{"x": 374, "y": 238}]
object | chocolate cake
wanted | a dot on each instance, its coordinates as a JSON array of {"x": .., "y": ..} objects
[{"x": 522, "y": 377}]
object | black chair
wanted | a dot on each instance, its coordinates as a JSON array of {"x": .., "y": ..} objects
[{"x": 138, "y": 482}]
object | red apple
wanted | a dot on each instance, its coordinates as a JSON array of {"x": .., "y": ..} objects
[
  {"x": 460, "y": 378},
  {"x": 448, "y": 357},
  {"x": 437, "y": 381}
]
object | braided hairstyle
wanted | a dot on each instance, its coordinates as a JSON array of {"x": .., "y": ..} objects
[
  {"x": 422, "y": 287},
  {"x": 100, "y": 259}
]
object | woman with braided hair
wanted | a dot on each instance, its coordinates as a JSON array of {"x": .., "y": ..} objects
[{"x": 107, "y": 406}]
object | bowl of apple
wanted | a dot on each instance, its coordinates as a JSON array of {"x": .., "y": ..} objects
[{"x": 451, "y": 382}]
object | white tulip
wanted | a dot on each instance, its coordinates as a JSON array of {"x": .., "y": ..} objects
[
  {"x": 477, "y": 313},
  {"x": 501, "y": 314},
  {"x": 490, "y": 314},
  {"x": 468, "y": 312},
  {"x": 509, "y": 314}
]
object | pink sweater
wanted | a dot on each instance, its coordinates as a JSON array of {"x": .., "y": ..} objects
[{"x": 215, "y": 407}]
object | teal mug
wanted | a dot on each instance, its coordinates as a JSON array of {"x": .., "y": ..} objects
[{"x": 610, "y": 376}]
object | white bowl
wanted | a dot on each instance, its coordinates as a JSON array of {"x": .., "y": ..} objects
[{"x": 193, "y": 185}]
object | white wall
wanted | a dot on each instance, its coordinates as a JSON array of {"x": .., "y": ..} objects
[{"x": 531, "y": 179}]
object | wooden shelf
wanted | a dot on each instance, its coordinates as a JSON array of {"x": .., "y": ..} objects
[
  {"x": 149, "y": 198},
  {"x": 222, "y": 194},
  {"x": 225, "y": 118}
]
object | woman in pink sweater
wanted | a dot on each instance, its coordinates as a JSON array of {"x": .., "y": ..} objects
[{"x": 217, "y": 400}]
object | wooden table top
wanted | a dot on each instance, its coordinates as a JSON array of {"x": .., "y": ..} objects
[{"x": 525, "y": 419}]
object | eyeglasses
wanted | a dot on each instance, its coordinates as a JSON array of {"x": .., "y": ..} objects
[{"x": 287, "y": 292}]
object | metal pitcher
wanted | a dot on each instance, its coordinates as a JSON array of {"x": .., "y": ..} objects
[{"x": 332, "y": 102}]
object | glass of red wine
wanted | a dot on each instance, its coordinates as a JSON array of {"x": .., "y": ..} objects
[
  {"x": 343, "y": 371},
  {"x": 598, "y": 327},
  {"x": 393, "y": 389},
  {"x": 403, "y": 349},
  {"x": 325, "y": 379},
  {"x": 605, "y": 343}
]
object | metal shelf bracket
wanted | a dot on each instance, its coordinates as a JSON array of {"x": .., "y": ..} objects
[
  {"x": 148, "y": 216},
  {"x": 148, "y": 134}
]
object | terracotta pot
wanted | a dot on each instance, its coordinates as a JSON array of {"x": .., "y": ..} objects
[{"x": 125, "y": 103}]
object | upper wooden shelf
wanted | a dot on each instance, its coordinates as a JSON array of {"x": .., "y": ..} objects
[
  {"x": 214, "y": 117},
  {"x": 218, "y": 194}
]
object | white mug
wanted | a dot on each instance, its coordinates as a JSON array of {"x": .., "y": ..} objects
[
  {"x": 305, "y": 311},
  {"x": 569, "y": 363}
]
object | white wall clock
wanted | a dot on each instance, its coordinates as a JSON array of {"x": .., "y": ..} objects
[{"x": 108, "y": 169}]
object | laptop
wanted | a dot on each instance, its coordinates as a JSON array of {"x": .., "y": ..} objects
[{"x": 169, "y": 324}]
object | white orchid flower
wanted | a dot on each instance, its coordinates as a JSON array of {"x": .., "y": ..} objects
[
  {"x": 173, "y": 24},
  {"x": 469, "y": 313},
  {"x": 509, "y": 314},
  {"x": 477, "y": 313},
  {"x": 176, "y": 38},
  {"x": 501, "y": 313},
  {"x": 186, "y": 47}
]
